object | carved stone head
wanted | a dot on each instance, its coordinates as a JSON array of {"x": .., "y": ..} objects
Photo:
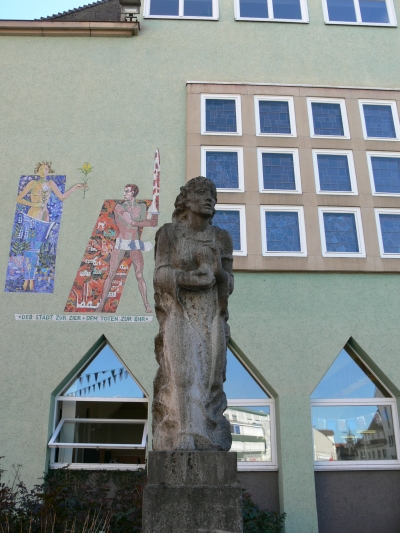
[{"x": 198, "y": 195}]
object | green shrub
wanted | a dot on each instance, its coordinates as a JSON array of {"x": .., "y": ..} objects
[{"x": 256, "y": 520}]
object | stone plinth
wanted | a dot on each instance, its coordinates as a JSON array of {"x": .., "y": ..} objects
[{"x": 192, "y": 492}]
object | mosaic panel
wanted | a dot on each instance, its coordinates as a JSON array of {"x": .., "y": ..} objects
[
  {"x": 223, "y": 169},
  {"x": 334, "y": 173},
  {"x": 278, "y": 171},
  {"x": 390, "y": 229},
  {"x": 341, "y": 232},
  {"x": 229, "y": 220},
  {"x": 274, "y": 117},
  {"x": 386, "y": 173},
  {"x": 327, "y": 119},
  {"x": 282, "y": 230},
  {"x": 221, "y": 115},
  {"x": 379, "y": 121}
]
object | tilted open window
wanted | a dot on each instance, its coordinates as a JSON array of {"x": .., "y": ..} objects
[
  {"x": 100, "y": 417},
  {"x": 354, "y": 417}
]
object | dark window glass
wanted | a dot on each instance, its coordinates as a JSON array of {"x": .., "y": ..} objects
[
  {"x": 341, "y": 232},
  {"x": 334, "y": 173},
  {"x": 254, "y": 9},
  {"x": 222, "y": 169},
  {"x": 278, "y": 171},
  {"x": 341, "y": 11},
  {"x": 379, "y": 121},
  {"x": 274, "y": 117},
  {"x": 327, "y": 119},
  {"x": 390, "y": 229},
  {"x": 197, "y": 8},
  {"x": 229, "y": 220},
  {"x": 374, "y": 11},
  {"x": 220, "y": 115},
  {"x": 164, "y": 7},
  {"x": 287, "y": 9},
  {"x": 282, "y": 229},
  {"x": 386, "y": 172}
]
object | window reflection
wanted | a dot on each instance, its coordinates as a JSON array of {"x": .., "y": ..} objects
[{"x": 251, "y": 432}]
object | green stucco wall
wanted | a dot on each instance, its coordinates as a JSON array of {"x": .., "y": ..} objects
[{"x": 112, "y": 102}]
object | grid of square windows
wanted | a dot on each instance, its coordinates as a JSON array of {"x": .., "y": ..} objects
[
  {"x": 283, "y": 231},
  {"x": 279, "y": 170},
  {"x": 341, "y": 232},
  {"x": 379, "y": 120},
  {"x": 223, "y": 166},
  {"x": 388, "y": 226},
  {"x": 334, "y": 172},
  {"x": 328, "y": 118},
  {"x": 221, "y": 114},
  {"x": 275, "y": 116}
]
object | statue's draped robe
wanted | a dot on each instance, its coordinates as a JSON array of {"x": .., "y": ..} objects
[{"x": 189, "y": 400}]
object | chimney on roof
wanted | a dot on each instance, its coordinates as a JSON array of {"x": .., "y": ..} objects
[{"x": 130, "y": 9}]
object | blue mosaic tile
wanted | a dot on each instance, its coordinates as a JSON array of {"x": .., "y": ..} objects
[
  {"x": 220, "y": 115},
  {"x": 274, "y": 117},
  {"x": 334, "y": 173},
  {"x": 229, "y": 220},
  {"x": 374, "y": 11},
  {"x": 197, "y": 8},
  {"x": 223, "y": 169},
  {"x": 341, "y": 232},
  {"x": 287, "y": 9},
  {"x": 282, "y": 229},
  {"x": 390, "y": 229},
  {"x": 341, "y": 11},
  {"x": 327, "y": 119},
  {"x": 379, "y": 121},
  {"x": 254, "y": 9},
  {"x": 278, "y": 171},
  {"x": 386, "y": 172}
]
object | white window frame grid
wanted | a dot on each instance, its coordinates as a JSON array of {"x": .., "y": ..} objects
[
  {"x": 395, "y": 115},
  {"x": 359, "y": 22},
  {"x": 393, "y": 464},
  {"x": 238, "y": 108},
  {"x": 242, "y": 221},
  {"x": 378, "y": 212},
  {"x": 296, "y": 168},
  {"x": 342, "y": 103},
  {"x": 238, "y": 150},
  {"x": 302, "y": 230},
  {"x": 356, "y": 211},
  {"x": 352, "y": 171},
  {"x": 371, "y": 174},
  {"x": 292, "y": 118},
  {"x": 303, "y": 8},
  {"x": 180, "y": 16}
]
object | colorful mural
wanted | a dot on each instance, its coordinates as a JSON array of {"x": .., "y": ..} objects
[
  {"x": 115, "y": 244},
  {"x": 32, "y": 259}
]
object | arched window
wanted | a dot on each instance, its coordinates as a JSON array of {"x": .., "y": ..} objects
[
  {"x": 251, "y": 414},
  {"x": 354, "y": 417},
  {"x": 100, "y": 417}
]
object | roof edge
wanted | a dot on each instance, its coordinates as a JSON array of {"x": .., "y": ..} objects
[{"x": 74, "y": 10}]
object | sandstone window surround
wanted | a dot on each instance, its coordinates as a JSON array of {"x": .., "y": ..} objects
[
  {"x": 283, "y": 231},
  {"x": 233, "y": 218},
  {"x": 221, "y": 114},
  {"x": 388, "y": 229},
  {"x": 328, "y": 118},
  {"x": 334, "y": 172},
  {"x": 224, "y": 166},
  {"x": 275, "y": 116},
  {"x": 380, "y": 120}
]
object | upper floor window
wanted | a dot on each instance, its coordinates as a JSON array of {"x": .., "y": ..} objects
[
  {"x": 233, "y": 219},
  {"x": 341, "y": 232},
  {"x": 195, "y": 9},
  {"x": 275, "y": 116},
  {"x": 380, "y": 120},
  {"x": 368, "y": 12},
  {"x": 354, "y": 417},
  {"x": 388, "y": 226},
  {"x": 265, "y": 10},
  {"x": 328, "y": 118},
  {"x": 283, "y": 231},
  {"x": 334, "y": 172},
  {"x": 279, "y": 170},
  {"x": 224, "y": 166},
  {"x": 384, "y": 173},
  {"x": 221, "y": 114}
]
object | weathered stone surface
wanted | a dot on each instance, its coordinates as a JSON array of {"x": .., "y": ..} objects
[
  {"x": 192, "y": 281},
  {"x": 180, "y": 496}
]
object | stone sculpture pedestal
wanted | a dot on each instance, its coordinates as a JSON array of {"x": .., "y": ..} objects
[{"x": 192, "y": 492}]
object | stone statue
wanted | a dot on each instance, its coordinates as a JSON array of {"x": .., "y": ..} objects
[{"x": 192, "y": 280}]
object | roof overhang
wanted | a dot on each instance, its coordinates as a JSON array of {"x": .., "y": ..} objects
[{"x": 39, "y": 28}]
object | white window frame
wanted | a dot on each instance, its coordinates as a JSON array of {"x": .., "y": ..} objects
[
  {"x": 296, "y": 168},
  {"x": 238, "y": 107},
  {"x": 303, "y": 8},
  {"x": 389, "y": 6},
  {"x": 371, "y": 174},
  {"x": 359, "y": 228},
  {"x": 215, "y": 9},
  {"x": 352, "y": 171},
  {"x": 395, "y": 115},
  {"x": 342, "y": 103},
  {"x": 302, "y": 230},
  {"x": 379, "y": 231},
  {"x": 292, "y": 119},
  {"x": 242, "y": 221},
  {"x": 238, "y": 150}
]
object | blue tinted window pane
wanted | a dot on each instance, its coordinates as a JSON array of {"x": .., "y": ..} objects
[
  {"x": 220, "y": 115},
  {"x": 341, "y": 11},
  {"x": 374, "y": 11},
  {"x": 222, "y": 169},
  {"x": 327, "y": 119},
  {"x": 379, "y": 121},
  {"x": 164, "y": 7},
  {"x": 274, "y": 117},
  {"x": 283, "y": 234},
  {"x": 340, "y": 232},
  {"x": 287, "y": 9},
  {"x": 334, "y": 174},
  {"x": 278, "y": 172},
  {"x": 390, "y": 229},
  {"x": 386, "y": 172},
  {"x": 197, "y": 8},
  {"x": 229, "y": 220},
  {"x": 254, "y": 9}
]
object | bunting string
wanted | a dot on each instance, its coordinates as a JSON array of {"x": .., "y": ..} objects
[{"x": 101, "y": 382}]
